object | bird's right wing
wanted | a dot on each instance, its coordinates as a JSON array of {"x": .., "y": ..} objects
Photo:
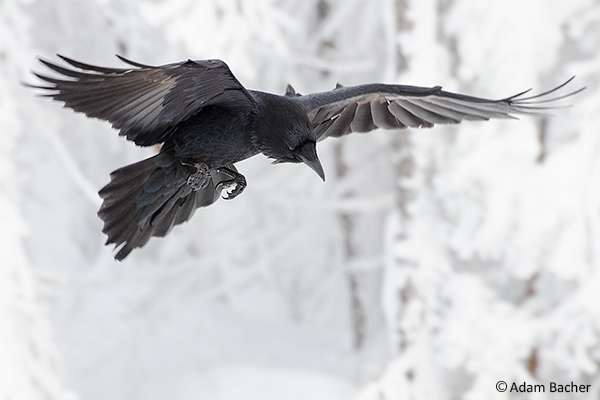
[
  {"x": 145, "y": 103},
  {"x": 368, "y": 107}
]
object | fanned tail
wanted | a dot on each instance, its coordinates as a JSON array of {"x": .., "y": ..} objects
[{"x": 148, "y": 198}]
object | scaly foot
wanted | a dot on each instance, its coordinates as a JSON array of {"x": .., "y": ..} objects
[{"x": 199, "y": 179}]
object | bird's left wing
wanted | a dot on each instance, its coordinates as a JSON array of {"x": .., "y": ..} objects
[
  {"x": 145, "y": 102},
  {"x": 368, "y": 107}
]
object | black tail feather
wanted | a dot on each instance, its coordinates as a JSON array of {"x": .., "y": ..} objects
[{"x": 148, "y": 198}]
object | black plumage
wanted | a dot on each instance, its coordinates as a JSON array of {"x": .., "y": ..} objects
[{"x": 207, "y": 121}]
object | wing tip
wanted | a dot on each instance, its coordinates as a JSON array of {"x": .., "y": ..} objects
[
  {"x": 133, "y": 63},
  {"x": 544, "y": 97}
]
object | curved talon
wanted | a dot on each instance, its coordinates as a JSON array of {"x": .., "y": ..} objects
[
  {"x": 238, "y": 188},
  {"x": 238, "y": 182}
]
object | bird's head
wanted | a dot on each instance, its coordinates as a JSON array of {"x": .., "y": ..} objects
[
  {"x": 284, "y": 133},
  {"x": 305, "y": 152},
  {"x": 298, "y": 144}
]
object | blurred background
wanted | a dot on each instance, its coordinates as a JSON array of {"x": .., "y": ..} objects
[{"x": 430, "y": 265}]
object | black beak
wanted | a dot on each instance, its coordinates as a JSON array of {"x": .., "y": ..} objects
[{"x": 308, "y": 154}]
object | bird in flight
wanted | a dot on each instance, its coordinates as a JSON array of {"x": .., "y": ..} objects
[{"x": 206, "y": 121}]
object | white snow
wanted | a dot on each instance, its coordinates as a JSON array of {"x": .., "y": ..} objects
[
  {"x": 471, "y": 252},
  {"x": 239, "y": 382}
]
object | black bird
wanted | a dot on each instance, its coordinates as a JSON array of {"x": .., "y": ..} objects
[{"x": 207, "y": 121}]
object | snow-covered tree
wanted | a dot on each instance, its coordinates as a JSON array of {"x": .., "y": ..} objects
[
  {"x": 30, "y": 366},
  {"x": 492, "y": 271}
]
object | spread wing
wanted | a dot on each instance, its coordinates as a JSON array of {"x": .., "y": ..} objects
[
  {"x": 368, "y": 107},
  {"x": 144, "y": 102}
]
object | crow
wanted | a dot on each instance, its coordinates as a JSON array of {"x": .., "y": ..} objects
[{"x": 206, "y": 121}]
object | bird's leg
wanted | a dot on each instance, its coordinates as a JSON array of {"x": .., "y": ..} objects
[
  {"x": 198, "y": 179},
  {"x": 237, "y": 181}
]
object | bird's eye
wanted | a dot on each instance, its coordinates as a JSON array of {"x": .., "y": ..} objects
[{"x": 290, "y": 147}]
